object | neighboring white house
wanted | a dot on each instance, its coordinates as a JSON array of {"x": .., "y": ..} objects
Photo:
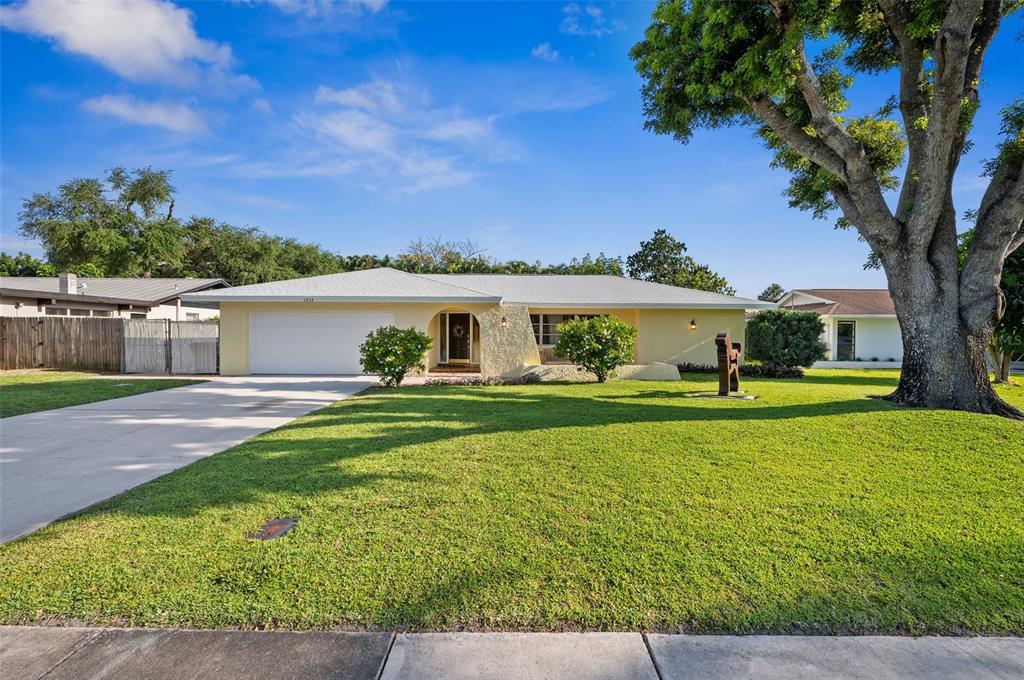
[
  {"x": 68, "y": 295},
  {"x": 860, "y": 324}
]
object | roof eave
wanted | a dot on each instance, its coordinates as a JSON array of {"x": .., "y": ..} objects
[
  {"x": 206, "y": 297},
  {"x": 645, "y": 305},
  {"x": 79, "y": 297}
]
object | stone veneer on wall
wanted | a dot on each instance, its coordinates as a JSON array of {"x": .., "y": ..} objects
[{"x": 507, "y": 351}]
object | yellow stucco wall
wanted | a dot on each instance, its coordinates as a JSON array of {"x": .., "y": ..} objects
[
  {"x": 234, "y": 323},
  {"x": 663, "y": 335}
]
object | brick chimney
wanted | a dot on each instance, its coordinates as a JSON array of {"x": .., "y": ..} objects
[{"x": 67, "y": 283}]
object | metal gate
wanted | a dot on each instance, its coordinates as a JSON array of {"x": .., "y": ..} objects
[{"x": 162, "y": 346}]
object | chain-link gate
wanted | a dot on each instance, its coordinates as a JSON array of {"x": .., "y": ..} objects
[
  {"x": 162, "y": 346},
  {"x": 194, "y": 347}
]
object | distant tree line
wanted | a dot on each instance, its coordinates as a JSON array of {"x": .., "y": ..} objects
[{"x": 124, "y": 225}]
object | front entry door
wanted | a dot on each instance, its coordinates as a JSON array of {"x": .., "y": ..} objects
[
  {"x": 846, "y": 341},
  {"x": 459, "y": 338}
]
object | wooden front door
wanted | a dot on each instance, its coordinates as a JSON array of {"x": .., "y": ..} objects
[{"x": 460, "y": 338}]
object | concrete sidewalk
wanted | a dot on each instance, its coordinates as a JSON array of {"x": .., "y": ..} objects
[
  {"x": 32, "y": 653},
  {"x": 59, "y": 461}
]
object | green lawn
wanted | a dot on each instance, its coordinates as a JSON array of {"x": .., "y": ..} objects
[
  {"x": 39, "y": 391},
  {"x": 618, "y": 506}
]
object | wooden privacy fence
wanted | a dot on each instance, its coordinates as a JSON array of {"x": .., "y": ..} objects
[
  {"x": 112, "y": 345},
  {"x": 68, "y": 343}
]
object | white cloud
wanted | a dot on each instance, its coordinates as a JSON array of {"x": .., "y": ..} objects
[
  {"x": 266, "y": 202},
  {"x": 140, "y": 40},
  {"x": 393, "y": 135},
  {"x": 467, "y": 129},
  {"x": 544, "y": 52},
  {"x": 262, "y": 105},
  {"x": 327, "y": 8},
  {"x": 352, "y": 129},
  {"x": 173, "y": 117},
  {"x": 374, "y": 96},
  {"x": 588, "y": 20}
]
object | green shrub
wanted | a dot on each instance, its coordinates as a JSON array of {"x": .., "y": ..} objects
[
  {"x": 785, "y": 337},
  {"x": 391, "y": 352},
  {"x": 598, "y": 345},
  {"x": 747, "y": 370}
]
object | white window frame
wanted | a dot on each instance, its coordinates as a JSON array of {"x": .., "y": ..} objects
[{"x": 552, "y": 329}]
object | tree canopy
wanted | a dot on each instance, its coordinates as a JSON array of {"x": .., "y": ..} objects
[
  {"x": 772, "y": 293},
  {"x": 784, "y": 67},
  {"x": 663, "y": 259},
  {"x": 124, "y": 225}
]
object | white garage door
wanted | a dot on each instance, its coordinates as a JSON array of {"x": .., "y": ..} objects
[{"x": 305, "y": 343}]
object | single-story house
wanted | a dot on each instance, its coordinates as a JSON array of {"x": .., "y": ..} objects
[
  {"x": 860, "y": 323},
  {"x": 497, "y": 324},
  {"x": 69, "y": 295}
]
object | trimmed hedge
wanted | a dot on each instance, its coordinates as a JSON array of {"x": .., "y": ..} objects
[{"x": 747, "y": 370}]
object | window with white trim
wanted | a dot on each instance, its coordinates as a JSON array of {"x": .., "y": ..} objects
[{"x": 545, "y": 326}]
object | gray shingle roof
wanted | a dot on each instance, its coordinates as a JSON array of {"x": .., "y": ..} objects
[
  {"x": 556, "y": 290},
  {"x": 128, "y": 290},
  {"x": 368, "y": 285},
  {"x": 536, "y": 290}
]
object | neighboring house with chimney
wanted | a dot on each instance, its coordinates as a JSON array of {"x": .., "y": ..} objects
[
  {"x": 860, "y": 323},
  {"x": 69, "y": 295}
]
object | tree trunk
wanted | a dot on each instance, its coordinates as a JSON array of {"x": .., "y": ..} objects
[
  {"x": 943, "y": 362},
  {"x": 1000, "y": 364}
]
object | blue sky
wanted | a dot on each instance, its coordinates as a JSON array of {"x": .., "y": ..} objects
[{"x": 362, "y": 126}]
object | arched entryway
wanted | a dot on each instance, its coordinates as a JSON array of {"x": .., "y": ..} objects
[{"x": 457, "y": 339}]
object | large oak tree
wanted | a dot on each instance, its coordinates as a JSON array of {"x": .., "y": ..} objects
[{"x": 783, "y": 65}]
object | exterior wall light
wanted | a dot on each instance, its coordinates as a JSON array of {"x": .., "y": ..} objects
[
  {"x": 693, "y": 324},
  {"x": 504, "y": 322}
]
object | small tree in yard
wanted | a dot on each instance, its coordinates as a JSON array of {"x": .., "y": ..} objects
[
  {"x": 391, "y": 352},
  {"x": 781, "y": 337},
  {"x": 599, "y": 345}
]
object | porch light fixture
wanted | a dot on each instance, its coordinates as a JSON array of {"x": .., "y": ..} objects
[
  {"x": 693, "y": 324},
  {"x": 504, "y": 322}
]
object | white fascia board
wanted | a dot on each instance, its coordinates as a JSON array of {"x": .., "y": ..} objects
[
  {"x": 199, "y": 297},
  {"x": 813, "y": 297},
  {"x": 643, "y": 305},
  {"x": 840, "y": 316}
]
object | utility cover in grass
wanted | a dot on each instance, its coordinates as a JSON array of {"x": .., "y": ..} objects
[{"x": 274, "y": 528}]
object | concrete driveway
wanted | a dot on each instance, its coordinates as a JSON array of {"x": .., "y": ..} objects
[{"x": 56, "y": 462}]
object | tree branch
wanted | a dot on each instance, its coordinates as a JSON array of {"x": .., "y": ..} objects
[
  {"x": 934, "y": 172},
  {"x": 913, "y": 98},
  {"x": 877, "y": 222},
  {"x": 998, "y": 232},
  {"x": 810, "y": 147}
]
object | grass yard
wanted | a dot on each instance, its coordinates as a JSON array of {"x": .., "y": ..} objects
[
  {"x": 31, "y": 391},
  {"x": 618, "y": 506}
]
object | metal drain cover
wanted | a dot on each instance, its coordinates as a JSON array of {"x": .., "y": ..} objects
[{"x": 274, "y": 528}]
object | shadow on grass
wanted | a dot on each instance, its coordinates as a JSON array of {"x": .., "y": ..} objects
[
  {"x": 31, "y": 397},
  {"x": 847, "y": 379},
  {"x": 308, "y": 457}
]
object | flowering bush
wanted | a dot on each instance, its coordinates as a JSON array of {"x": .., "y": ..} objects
[
  {"x": 599, "y": 344},
  {"x": 391, "y": 352}
]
